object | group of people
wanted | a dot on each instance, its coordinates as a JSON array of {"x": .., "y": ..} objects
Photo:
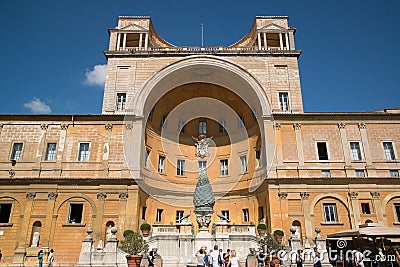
[
  {"x": 50, "y": 258},
  {"x": 315, "y": 257},
  {"x": 216, "y": 258}
]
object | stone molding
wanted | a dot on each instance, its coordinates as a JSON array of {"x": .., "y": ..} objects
[
  {"x": 11, "y": 173},
  {"x": 353, "y": 195},
  {"x": 108, "y": 126},
  {"x": 101, "y": 196},
  {"x": 362, "y": 125},
  {"x": 375, "y": 195},
  {"x": 341, "y": 125},
  {"x": 297, "y": 126},
  {"x": 277, "y": 126},
  {"x": 123, "y": 196},
  {"x": 52, "y": 196},
  {"x": 30, "y": 196},
  {"x": 64, "y": 126},
  {"x": 304, "y": 195},
  {"x": 282, "y": 196},
  {"x": 44, "y": 126},
  {"x": 129, "y": 126}
]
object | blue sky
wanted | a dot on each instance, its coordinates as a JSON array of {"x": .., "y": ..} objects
[{"x": 349, "y": 61}]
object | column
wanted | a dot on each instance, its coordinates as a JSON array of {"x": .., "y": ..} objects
[
  {"x": 132, "y": 205},
  {"x": 308, "y": 222},
  {"x": 355, "y": 210},
  {"x": 118, "y": 41},
  {"x": 259, "y": 40},
  {"x": 265, "y": 41},
  {"x": 140, "y": 41},
  {"x": 284, "y": 209},
  {"x": 39, "y": 151},
  {"x": 106, "y": 150},
  {"x": 345, "y": 148},
  {"x": 146, "y": 41},
  {"x": 291, "y": 40},
  {"x": 98, "y": 221},
  {"x": 280, "y": 40},
  {"x": 49, "y": 221},
  {"x": 287, "y": 41},
  {"x": 367, "y": 152},
  {"x": 124, "y": 42},
  {"x": 280, "y": 172},
  {"x": 60, "y": 149},
  {"x": 376, "y": 202},
  {"x": 133, "y": 142},
  {"x": 300, "y": 153},
  {"x": 123, "y": 197}
]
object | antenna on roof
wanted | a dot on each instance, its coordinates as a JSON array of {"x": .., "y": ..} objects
[{"x": 202, "y": 34}]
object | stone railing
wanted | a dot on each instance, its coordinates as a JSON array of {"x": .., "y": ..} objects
[
  {"x": 184, "y": 228},
  {"x": 223, "y": 228}
]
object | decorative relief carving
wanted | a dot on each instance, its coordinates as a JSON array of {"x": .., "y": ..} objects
[
  {"x": 353, "y": 195},
  {"x": 11, "y": 173},
  {"x": 64, "y": 126},
  {"x": 297, "y": 126},
  {"x": 282, "y": 196},
  {"x": 123, "y": 196},
  {"x": 101, "y": 196},
  {"x": 341, "y": 125},
  {"x": 375, "y": 195},
  {"x": 44, "y": 126},
  {"x": 129, "y": 126},
  {"x": 277, "y": 126},
  {"x": 30, "y": 196},
  {"x": 304, "y": 195},
  {"x": 361, "y": 125},
  {"x": 108, "y": 126},
  {"x": 52, "y": 196}
]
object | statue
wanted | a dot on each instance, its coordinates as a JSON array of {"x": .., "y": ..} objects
[
  {"x": 223, "y": 217},
  {"x": 202, "y": 144},
  {"x": 35, "y": 239},
  {"x": 184, "y": 217},
  {"x": 203, "y": 201}
]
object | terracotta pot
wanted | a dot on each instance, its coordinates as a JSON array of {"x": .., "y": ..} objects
[
  {"x": 261, "y": 232},
  {"x": 134, "y": 260},
  {"x": 275, "y": 260},
  {"x": 145, "y": 233}
]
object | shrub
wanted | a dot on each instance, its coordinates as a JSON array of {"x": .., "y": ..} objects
[
  {"x": 134, "y": 244},
  {"x": 128, "y": 233},
  {"x": 261, "y": 226},
  {"x": 278, "y": 233},
  {"x": 145, "y": 226}
]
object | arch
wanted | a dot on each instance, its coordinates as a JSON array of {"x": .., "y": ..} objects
[
  {"x": 35, "y": 235},
  {"x": 368, "y": 221},
  {"x": 207, "y": 69},
  {"x": 322, "y": 196},
  {"x": 17, "y": 199},
  {"x": 77, "y": 195},
  {"x": 386, "y": 200}
]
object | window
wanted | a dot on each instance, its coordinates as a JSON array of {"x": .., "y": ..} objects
[
  {"x": 144, "y": 209},
  {"x": 389, "y": 151},
  {"x": 397, "y": 210},
  {"x": 146, "y": 159},
  {"x": 182, "y": 126},
  {"x": 394, "y": 173},
  {"x": 284, "y": 101},
  {"x": 163, "y": 122},
  {"x": 258, "y": 157},
  {"x": 225, "y": 213},
  {"x": 330, "y": 212},
  {"x": 180, "y": 167},
  {"x": 50, "y": 152},
  {"x": 5, "y": 212},
  {"x": 224, "y": 167},
  {"x": 360, "y": 173},
  {"x": 355, "y": 151},
  {"x": 326, "y": 173},
  {"x": 16, "y": 151},
  {"x": 83, "y": 152},
  {"x": 222, "y": 126},
  {"x": 243, "y": 164},
  {"x": 179, "y": 215},
  {"x": 322, "y": 151},
  {"x": 202, "y": 127},
  {"x": 202, "y": 166},
  {"x": 75, "y": 213},
  {"x": 121, "y": 101},
  {"x": 246, "y": 216},
  {"x": 365, "y": 208},
  {"x": 241, "y": 121},
  {"x": 261, "y": 213},
  {"x": 159, "y": 215},
  {"x": 161, "y": 160}
]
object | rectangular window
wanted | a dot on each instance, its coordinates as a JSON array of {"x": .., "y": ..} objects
[
  {"x": 163, "y": 122},
  {"x": 83, "y": 152},
  {"x": 202, "y": 127},
  {"x": 202, "y": 166},
  {"x": 179, "y": 215},
  {"x": 330, "y": 212},
  {"x": 241, "y": 121},
  {"x": 159, "y": 215},
  {"x": 182, "y": 126},
  {"x": 144, "y": 209},
  {"x": 284, "y": 101},
  {"x": 246, "y": 216},
  {"x": 397, "y": 210},
  {"x": 360, "y": 173},
  {"x": 121, "y": 101},
  {"x": 180, "y": 167},
  {"x": 161, "y": 161},
  {"x": 146, "y": 159},
  {"x": 258, "y": 157},
  {"x": 222, "y": 126},
  {"x": 50, "y": 152},
  {"x": 355, "y": 151},
  {"x": 326, "y": 173},
  {"x": 322, "y": 151},
  {"x": 75, "y": 213},
  {"x": 225, "y": 213},
  {"x": 261, "y": 213},
  {"x": 389, "y": 151},
  {"x": 224, "y": 167},
  {"x": 16, "y": 152},
  {"x": 5, "y": 212},
  {"x": 394, "y": 173},
  {"x": 365, "y": 209},
  {"x": 243, "y": 164}
]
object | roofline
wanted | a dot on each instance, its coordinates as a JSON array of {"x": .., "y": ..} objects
[
  {"x": 134, "y": 17},
  {"x": 272, "y": 17}
]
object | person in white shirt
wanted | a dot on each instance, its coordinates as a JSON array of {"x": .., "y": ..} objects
[
  {"x": 359, "y": 258},
  {"x": 214, "y": 256},
  {"x": 50, "y": 259},
  {"x": 234, "y": 260}
]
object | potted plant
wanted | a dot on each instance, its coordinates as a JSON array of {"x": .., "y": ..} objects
[
  {"x": 145, "y": 228},
  {"x": 135, "y": 246},
  {"x": 269, "y": 245},
  {"x": 262, "y": 229},
  {"x": 278, "y": 234}
]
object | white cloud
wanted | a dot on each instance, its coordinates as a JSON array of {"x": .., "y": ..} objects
[
  {"x": 96, "y": 76},
  {"x": 37, "y": 106}
]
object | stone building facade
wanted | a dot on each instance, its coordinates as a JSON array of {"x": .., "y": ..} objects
[{"x": 268, "y": 161}]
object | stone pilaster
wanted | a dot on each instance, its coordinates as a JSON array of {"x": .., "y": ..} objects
[
  {"x": 60, "y": 148},
  {"x": 367, "y": 152},
  {"x": 49, "y": 221},
  {"x": 132, "y": 205},
  {"x": 345, "y": 144},
  {"x": 308, "y": 221},
  {"x": 123, "y": 197},
  {"x": 376, "y": 202},
  {"x": 98, "y": 221},
  {"x": 279, "y": 153},
  {"x": 300, "y": 153},
  {"x": 106, "y": 150},
  {"x": 355, "y": 210}
]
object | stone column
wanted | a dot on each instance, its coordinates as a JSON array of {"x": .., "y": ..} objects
[
  {"x": 85, "y": 257},
  {"x": 300, "y": 153},
  {"x": 287, "y": 41},
  {"x": 320, "y": 244},
  {"x": 106, "y": 150},
  {"x": 280, "y": 40},
  {"x": 60, "y": 149},
  {"x": 49, "y": 221},
  {"x": 132, "y": 205},
  {"x": 40, "y": 149},
  {"x": 98, "y": 221},
  {"x": 123, "y": 197},
  {"x": 259, "y": 40},
  {"x": 345, "y": 145},
  {"x": 118, "y": 41},
  {"x": 355, "y": 210},
  {"x": 284, "y": 207},
  {"x": 124, "y": 42},
  {"x": 146, "y": 41},
  {"x": 367, "y": 152},
  {"x": 376, "y": 202},
  {"x": 265, "y": 41},
  {"x": 308, "y": 222},
  {"x": 279, "y": 153},
  {"x": 140, "y": 40}
]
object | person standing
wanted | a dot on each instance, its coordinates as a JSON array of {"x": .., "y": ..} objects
[
  {"x": 359, "y": 258},
  {"x": 40, "y": 258},
  {"x": 50, "y": 259},
  {"x": 214, "y": 255},
  {"x": 299, "y": 259},
  {"x": 200, "y": 258},
  {"x": 234, "y": 260},
  {"x": 150, "y": 258},
  {"x": 316, "y": 258}
]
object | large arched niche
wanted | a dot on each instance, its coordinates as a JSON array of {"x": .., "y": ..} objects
[{"x": 205, "y": 70}]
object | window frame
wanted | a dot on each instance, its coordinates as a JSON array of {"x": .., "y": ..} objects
[
  {"x": 180, "y": 170},
  {"x": 12, "y": 155},
  {"x": 246, "y": 215},
  {"x": 69, "y": 219},
  {"x": 358, "y": 172},
  {"x": 396, "y": 210},
  {"x": 335, "y": 212},
  {"x": 359, "y": 151},
  {"x": 46, "y": 155},
  {"x": 394, "y": 173},
  {"x": 326, "y": 173},
  {"x": 121, "y": 106},
  {"x": 317, "y": 150},
  {"x": 147, "y": 157},
  {"x": 178, "y": 215},
  {"x": 257, "y": 158},
  {"x": 4, "y": 202},
  {"x": 181, "y": 126},
  {"x": 79, "y": 152},
  {"x": 202, "y": 127},
  {"x": 224, "y": 169},
  {"x": 368, "y": 208},
  {"x": 393, "y": 155},
  {"x": 226, "y": 214},
  {"x": 199, "y": 167},
  {"x": 159, "y": 215},
  {"x": 222, "y": 126},
  {"x": 163, "y": 122},
  {"x": 159, "y": 170},
  {"x": 281, "y": 108},
  {"x": 245, "y": 169}
]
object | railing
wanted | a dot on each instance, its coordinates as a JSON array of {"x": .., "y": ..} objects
[{"x": 191, "y": 49}]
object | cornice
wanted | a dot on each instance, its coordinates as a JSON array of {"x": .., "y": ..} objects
[{"x": 342, "y": 117}]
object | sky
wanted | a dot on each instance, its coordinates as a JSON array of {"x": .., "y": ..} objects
[{"x": 53, "y": 62}]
